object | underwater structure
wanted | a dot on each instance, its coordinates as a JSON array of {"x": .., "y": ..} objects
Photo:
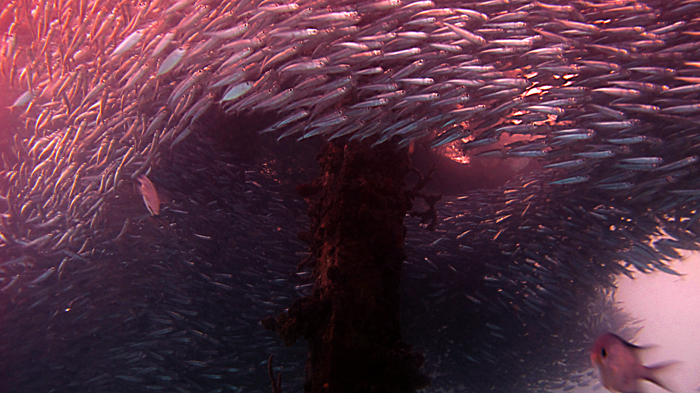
[{"x": 579, "y": 121}]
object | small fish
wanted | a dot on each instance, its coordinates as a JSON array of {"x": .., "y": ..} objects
[
  {"x": 619, "y": 367},
  {"x": 162, "y": 44},
  {"x": 467, "y": 35},
  {"x": 571, "y": 180},
  {"x": 23, "y": 99},
  {"x": 171, "y": 61},
  {"x": 150, "y": 195},
  {"x": 128, "y": 43},
  {"x": 237, "y": 91}
]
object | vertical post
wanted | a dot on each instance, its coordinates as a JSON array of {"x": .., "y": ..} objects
[{"x": 351, "y": 320}]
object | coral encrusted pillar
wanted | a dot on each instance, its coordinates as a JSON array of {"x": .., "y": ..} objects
[{"x": 351, "y": 321}]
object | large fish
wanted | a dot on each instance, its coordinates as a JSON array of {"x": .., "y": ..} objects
[
  {"x": 619, "y": 367},
  {"x": 149, "y": 194}
]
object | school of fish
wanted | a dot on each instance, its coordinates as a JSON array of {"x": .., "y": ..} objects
[{"x": 109, "y": 92}]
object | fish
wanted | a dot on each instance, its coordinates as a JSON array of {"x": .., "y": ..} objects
[
  {"x": 171, "y": 61},
  {"x": 128, "y": 43},
  {"x": 150, "y": 195},
  {"x": 619, "y": 367},
  {"x": 23, "y": 99}
]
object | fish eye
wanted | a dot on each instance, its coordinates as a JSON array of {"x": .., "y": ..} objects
[{"x": 603, "y": 352}]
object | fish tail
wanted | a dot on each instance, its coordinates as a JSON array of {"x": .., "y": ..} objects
[{"x": 655, "y": 373}]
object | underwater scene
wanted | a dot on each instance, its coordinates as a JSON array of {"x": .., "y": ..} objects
[{"x": 349, "y": 196}]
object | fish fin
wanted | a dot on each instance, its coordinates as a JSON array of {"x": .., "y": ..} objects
[
  {"x": 635, "y": 346},
  {"x": 654, "y": 373},
  {"x": 640, "y": 347}
]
